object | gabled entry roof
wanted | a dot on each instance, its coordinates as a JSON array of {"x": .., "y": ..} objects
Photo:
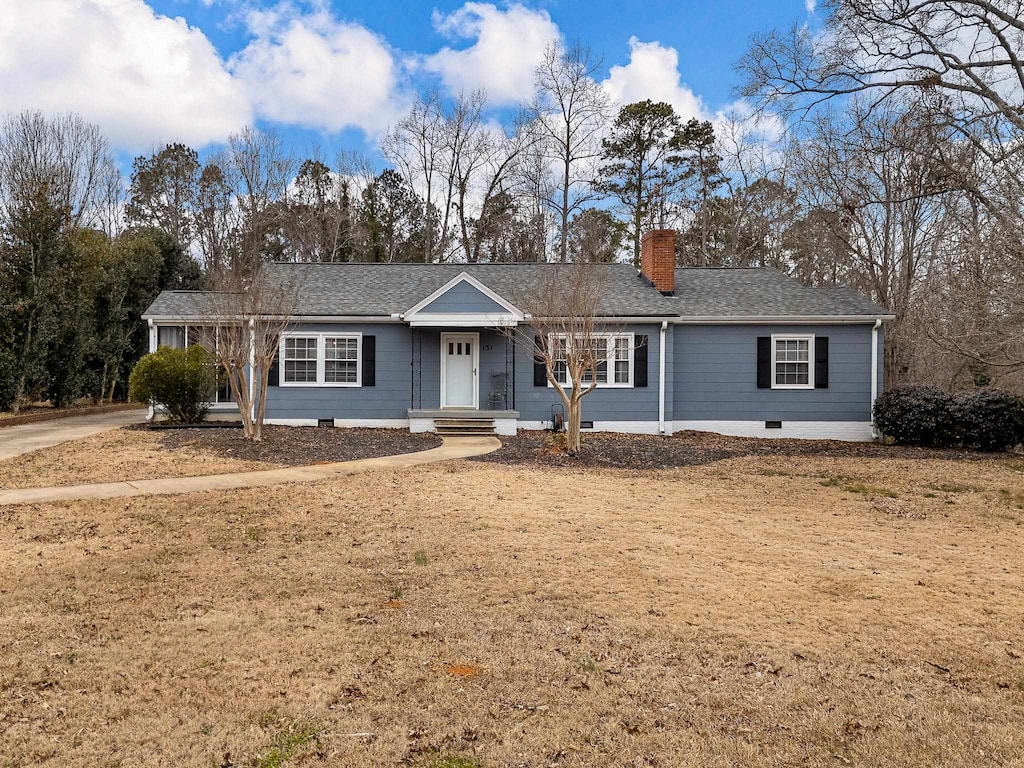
[{"x": 466, "y": 301}]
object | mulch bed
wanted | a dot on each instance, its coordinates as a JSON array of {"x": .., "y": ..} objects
[
  {"x": 604, "y": 449},
  {"x": 296, "y": 446}
]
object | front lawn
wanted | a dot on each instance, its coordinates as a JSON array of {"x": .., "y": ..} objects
[
  {"x": 757, "y": 611},
  {"x": 138, "y": 453}
]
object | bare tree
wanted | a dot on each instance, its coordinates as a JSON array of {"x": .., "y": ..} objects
[
  {"x": 214, "y": 218},
  {"x": 961, "y": 60},
  {"x": 418, "y": 148},
  {"x": 250, "y": 309},
  {"x": 760, "y": 206},
  {"x": 256, "y": 167},
  {"x": 569, "y": 113},
  {"x": 887, "y": 202},
  {"x": 69, "y": 156},
  {"x": 460, "y": 163},
  {"x": 568, "y": 335}
]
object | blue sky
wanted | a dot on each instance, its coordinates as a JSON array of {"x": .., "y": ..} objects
[{"x": 336, "y": 73}]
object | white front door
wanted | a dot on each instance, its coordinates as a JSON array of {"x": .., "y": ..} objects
[{"x": 459, "y": 353}]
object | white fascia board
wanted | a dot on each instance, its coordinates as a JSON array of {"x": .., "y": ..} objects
[
  {"x": 634, "y": 319},
  {"x": 462, "y": 320},
  {"x": 787, "y": 319},
  {"x": 205, "y": 319},
  {"x": 465, "y": 277}
]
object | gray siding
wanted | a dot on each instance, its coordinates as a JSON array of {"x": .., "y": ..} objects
[
  {"x": 710, "y": 375},
  {"x": 463, "y": 297},
  {"x": 389, "y": 399},
  {"x": 716, "y": 375},
  {"x": 603, "y": 404}
]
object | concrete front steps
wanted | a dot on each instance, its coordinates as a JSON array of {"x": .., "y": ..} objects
[
  {"x": 464, "y": 427},
  {"x": 463, "y": 421}
]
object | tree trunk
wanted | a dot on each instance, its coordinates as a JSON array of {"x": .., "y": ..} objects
[
  {"x": 240, "y": 384},
  {"x": 572, "y": 427},
  {"x": 564, "y": 244}
]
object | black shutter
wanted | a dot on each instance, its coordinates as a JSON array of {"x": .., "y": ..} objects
[
  {"x": 821, "y": 362},
  {"x": 369, "y": 361},
  {"x": 540, "y": 369},
  {"x": 640, "y": 361},
  {"x": 274, "y": 374},
  {"x": 764, "y": 362}
]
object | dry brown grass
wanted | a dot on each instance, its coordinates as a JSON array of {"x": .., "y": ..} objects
[
  {"x": 755, "y": 612},
  {"x": 120, "y": 454}
]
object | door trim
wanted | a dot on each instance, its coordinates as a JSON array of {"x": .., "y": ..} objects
[{"x": 475, "y": 338}]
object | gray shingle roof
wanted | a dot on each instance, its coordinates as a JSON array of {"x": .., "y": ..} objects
[
  {"x": 762, "y": 292},
  {"x": 386, "y": 289}
]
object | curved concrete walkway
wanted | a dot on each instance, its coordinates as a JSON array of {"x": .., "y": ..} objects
[{"x": 451, "y": 448}]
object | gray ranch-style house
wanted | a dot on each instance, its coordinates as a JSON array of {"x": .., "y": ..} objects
[{"x": 426, "y": 347}]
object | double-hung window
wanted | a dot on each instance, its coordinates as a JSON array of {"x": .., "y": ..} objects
[
  {"x": 791, "y": 362},
  {"x": 321, "y": 359},
  {"x": 612, "y": 355},
  {"x": 299, "y": 355},
  {"x": 341, "y": 359}
]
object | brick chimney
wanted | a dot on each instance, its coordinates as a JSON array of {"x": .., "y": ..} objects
[{"x": 658, "y": 259}]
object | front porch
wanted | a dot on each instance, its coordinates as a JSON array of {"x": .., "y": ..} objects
[{"x": 462, "y": 370}]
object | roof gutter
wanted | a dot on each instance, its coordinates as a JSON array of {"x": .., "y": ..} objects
[
  {"x": 788, "y": 319},
  {"x": 199, "y": 319}
]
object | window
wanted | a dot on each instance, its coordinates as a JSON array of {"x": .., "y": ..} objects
[
  {"x": 300, "y": 360},
  {"x": 791, "y": 362},
  {"x": 600, "y": 353},
  {"x": 184, "y": 336},
  {"x": 623, "y": 359},
  {"x": 321, "y": 359},
  {"x": 172, "y": 336},
  {"x": 614, "y": 356},
  {"x": 341, "y": 355}
]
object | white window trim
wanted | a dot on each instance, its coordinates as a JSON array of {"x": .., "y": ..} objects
[
  {"x": 321, "y": 358},
  {"x": 809, "y": 338},
  {"x": 611, "y": 360}
]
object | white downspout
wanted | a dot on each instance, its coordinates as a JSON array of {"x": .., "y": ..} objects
[
  {"x": 661, "y": 379},
  {"x": 874, "y": 371},
  {"x": 152, "y": 348}
]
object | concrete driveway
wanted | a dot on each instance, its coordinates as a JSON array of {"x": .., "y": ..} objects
[{"x": 24, "y": 438}]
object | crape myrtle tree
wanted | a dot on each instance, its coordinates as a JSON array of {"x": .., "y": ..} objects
[
  {"x": 567, "y": 334},
  {"x": 250, "y": 310}
]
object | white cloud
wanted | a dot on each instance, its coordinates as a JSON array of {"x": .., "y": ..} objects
[
  {"x": 313, "y": 70},
  {"x": 509, "y": 45},
  {"x": 653, "y": 73},
  {"x": 811, "y": 5},
  {"x": 142, "y": 77}
]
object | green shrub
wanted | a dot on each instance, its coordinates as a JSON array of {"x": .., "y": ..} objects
[
  {"x": 915, "y": 416},
  {"x": 181, "y": 381},
  {"x": 988, "y": 420}
]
